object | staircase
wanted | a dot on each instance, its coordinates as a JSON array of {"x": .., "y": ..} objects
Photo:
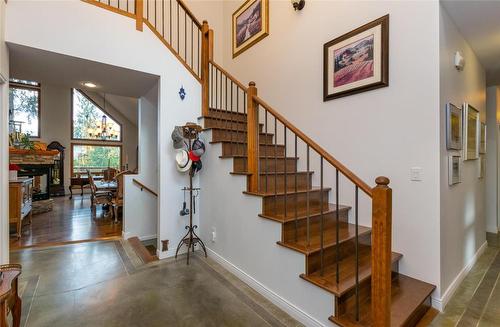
[{"x": 287, "y": 171}]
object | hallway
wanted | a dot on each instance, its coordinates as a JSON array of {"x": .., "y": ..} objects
[
  {"x": 477, "y": 300},
  {"x": 106, "y": 284}
]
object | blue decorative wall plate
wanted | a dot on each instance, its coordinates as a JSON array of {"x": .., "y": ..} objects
[{"x": 182, "y": 93}]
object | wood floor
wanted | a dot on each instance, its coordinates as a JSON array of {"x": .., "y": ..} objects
[{"x": 70, "y": 221}]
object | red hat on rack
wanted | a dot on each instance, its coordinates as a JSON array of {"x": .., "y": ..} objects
[{"x": 193, "y": 156}]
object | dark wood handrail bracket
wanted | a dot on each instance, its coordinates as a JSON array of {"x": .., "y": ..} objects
[{"x": 144, "y": 187}]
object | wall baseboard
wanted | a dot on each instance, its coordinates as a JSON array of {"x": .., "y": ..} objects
[
  {"x": 282, "y": 303},
  {"x": 147, "y": 237},
  {"x": 441, "y": 303}
]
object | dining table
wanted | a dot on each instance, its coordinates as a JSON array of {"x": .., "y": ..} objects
[{"x": 102, "y": 185}]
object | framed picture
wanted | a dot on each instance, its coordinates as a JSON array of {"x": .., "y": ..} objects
[
  {"x": 482, "y": 166},
  {"x": 357, "y": 61},
  {"x": 482, "y": 139},
  {"x": 471, "y": 135},
  {"x": 250, "y": 24},
  {"x": 454, "y": 170},
  {"x": 453, "y": 127}
]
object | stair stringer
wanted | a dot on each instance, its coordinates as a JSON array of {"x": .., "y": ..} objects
[{"x": 246, "y": 244}]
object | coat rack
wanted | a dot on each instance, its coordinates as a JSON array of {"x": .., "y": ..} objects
[{"x": 191, "y": 132}]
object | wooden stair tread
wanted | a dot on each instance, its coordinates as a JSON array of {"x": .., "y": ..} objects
[
  {"x": 141, "y": 251},
  {"x": 244, "y": 143},
  {"x": 263, "y": 173},
  {"x": 244, "y": 156},
  {"x": 289, "y": 192},
  {"x": 346, "y": 232},
  {"x": 347, "y": 270},
  {"x": 408, "y": 294},
  {"x": 302, "y": 213}
]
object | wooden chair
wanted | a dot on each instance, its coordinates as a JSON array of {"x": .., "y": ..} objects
[
  {"x": 117, "y": 201},
  {"x": 98, "y": 197},
  {"x": 9, "y": 296},
  {"x": 110, "y": 174}
]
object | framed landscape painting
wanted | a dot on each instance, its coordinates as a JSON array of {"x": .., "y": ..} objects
[
  {"x": 482, "y": 140},
  {"x": 471, "y": 135},
  {"x": 357, "y": 61},
  {"x": 453, "y": 127},
  {"x": 250, "y": 24},
  {"x": 454, "y": 170}
]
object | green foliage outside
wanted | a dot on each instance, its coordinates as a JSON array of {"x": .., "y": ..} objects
[
  {"x": 85, "y": 116},
  {"x": 95, "y": 157},
  {"x": 23, "y": 106}
]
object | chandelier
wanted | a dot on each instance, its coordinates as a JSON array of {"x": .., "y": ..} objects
[{"x": 104, "y": 130}]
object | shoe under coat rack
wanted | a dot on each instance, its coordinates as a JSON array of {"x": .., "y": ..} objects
[{"x": 191, "y": 239}]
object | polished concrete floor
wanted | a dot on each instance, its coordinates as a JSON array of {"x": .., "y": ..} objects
[
  {"x": 71, "y": 220},
  {"x": 105, "y": 284},
  {"x": 477, "y": 300}
]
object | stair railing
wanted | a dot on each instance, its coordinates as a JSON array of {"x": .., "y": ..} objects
[
  {"x": 230, "y": 104},
  {"x": 144, "y": 187}
]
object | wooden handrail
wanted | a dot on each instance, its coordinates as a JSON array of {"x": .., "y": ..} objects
[
  {"x": 189, "y": 13},
  {"x": 322, "y": 152},
  {"x": 111, "y": 8},
  {"x": 144, "y": 187},
  {"x": 231, "y": 77}
]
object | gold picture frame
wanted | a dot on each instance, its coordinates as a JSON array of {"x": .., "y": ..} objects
[
  {"x": 471, "y": 132},
  {"x": 250, "y": 24}
]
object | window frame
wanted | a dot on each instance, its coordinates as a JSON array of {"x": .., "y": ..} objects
[
  {"x": 93, "y": 144},
  {"x": 38, "y": 89},
  {"x": 119, "y": 140}
]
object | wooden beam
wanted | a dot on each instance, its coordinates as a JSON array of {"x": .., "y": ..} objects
[
  {"x": 139, "y": 16},
  {"x": 252, "y": 139},
  {"x": 381, "y": 253}
]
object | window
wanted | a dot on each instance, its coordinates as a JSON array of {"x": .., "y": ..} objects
[
  {"x": 24, "y": 105},
  {"x": 91, "y": 122},
  {"x": 94, "y": 158}
]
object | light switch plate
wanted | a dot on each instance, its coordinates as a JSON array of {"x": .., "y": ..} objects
[{"x": 416, "y": 174}]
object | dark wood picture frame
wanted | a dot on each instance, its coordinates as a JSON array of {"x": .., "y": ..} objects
[
  {"x": 102, "y": 109},
  {"x": 265, "y": 27},
  {"x": 384, "y": 59}
]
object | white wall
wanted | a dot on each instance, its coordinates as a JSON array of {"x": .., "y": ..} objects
[
  {"x": 492, "y": 156},
  {"x": 109, "y": 38},
  {"x": 55, "y": 125},
  {"x": 462, "y": 205},
  {"x": 138, "y": 203},
  {"x": 4, "y": 143},
  {"x": 381, "y": 132}
]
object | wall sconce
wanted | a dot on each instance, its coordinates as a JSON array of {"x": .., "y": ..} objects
[
  {"x": 459, "y": 61},
  {"x": 298, "y": 4}
]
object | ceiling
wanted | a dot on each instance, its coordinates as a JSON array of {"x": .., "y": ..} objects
[
  {"x": 127, "y": 106},
  {"x": 57, "y": 69},
  {"x": 479, "y": 22}
]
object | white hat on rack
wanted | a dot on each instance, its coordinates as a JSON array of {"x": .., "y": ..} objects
[{"x": 183, "y": 162}]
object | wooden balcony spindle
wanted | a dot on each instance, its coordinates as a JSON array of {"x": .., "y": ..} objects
[
  {"x": 139, "y": 15},
  {"x": 252, "y": 139},
  {"x": 206, "y": 55},
  {"x": 381, "y": 252}
]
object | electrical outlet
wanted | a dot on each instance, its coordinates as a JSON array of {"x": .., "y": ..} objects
[
  {"x": 416, "y": 174},
  {"x": 214, "y": 234}
]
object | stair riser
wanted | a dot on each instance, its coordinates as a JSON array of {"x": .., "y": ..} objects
[
  {"x": 270, "y": 182},
  {"x": 273, "y": 205},
  {"x": 215, "y": 123},
  {"x": 227, "y": 115},
  {"x": 229, "y": 149},
  {"x": 346, "y": 249},
  {"x": 267, "y": 165},
  {"x": 329, "y": 223},
  {"x": 347, "y": 302},
  {"x": 240, "y": 136}
]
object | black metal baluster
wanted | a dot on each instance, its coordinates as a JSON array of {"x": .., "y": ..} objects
[
  {"x": 225, "y": 105},
  {"x": 276, "y": 164},
  {"x": 238, "y": 111},
  {"x": 296, "y": 189},
  {"x": 307, "y": 200},
  {"x": 321, "y": 220},
  {"x": 147, "y": 9},
  {"x": 216, "y": 91},
  {"x": 170, "y": 22},
  {"x": 232, "y": 117},
  {"x": 185, "y": 36},
  {"x": 192, "y": 46},
  {"x": 267, "y": 144},
  {"x": 155, "y": 15},
  {"x": 163, "y": 18},
  {"x": 178, "y": 38},
  {"x": 284, "y": 174},
  {"x": 357, "y": 253},
  {"x": 337, "y": 232}
]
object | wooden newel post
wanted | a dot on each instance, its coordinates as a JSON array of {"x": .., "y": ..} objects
[
  {"x": 139, "y": 16},
  {"x": 252, "y": 139},
  {"x": 381, "y": 252},
  {"x": 206, "y": 55}
]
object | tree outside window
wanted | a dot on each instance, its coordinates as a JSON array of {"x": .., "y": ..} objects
[
  {"x": 24, "y": 105},
  {"x": 95, "y": 158}
]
